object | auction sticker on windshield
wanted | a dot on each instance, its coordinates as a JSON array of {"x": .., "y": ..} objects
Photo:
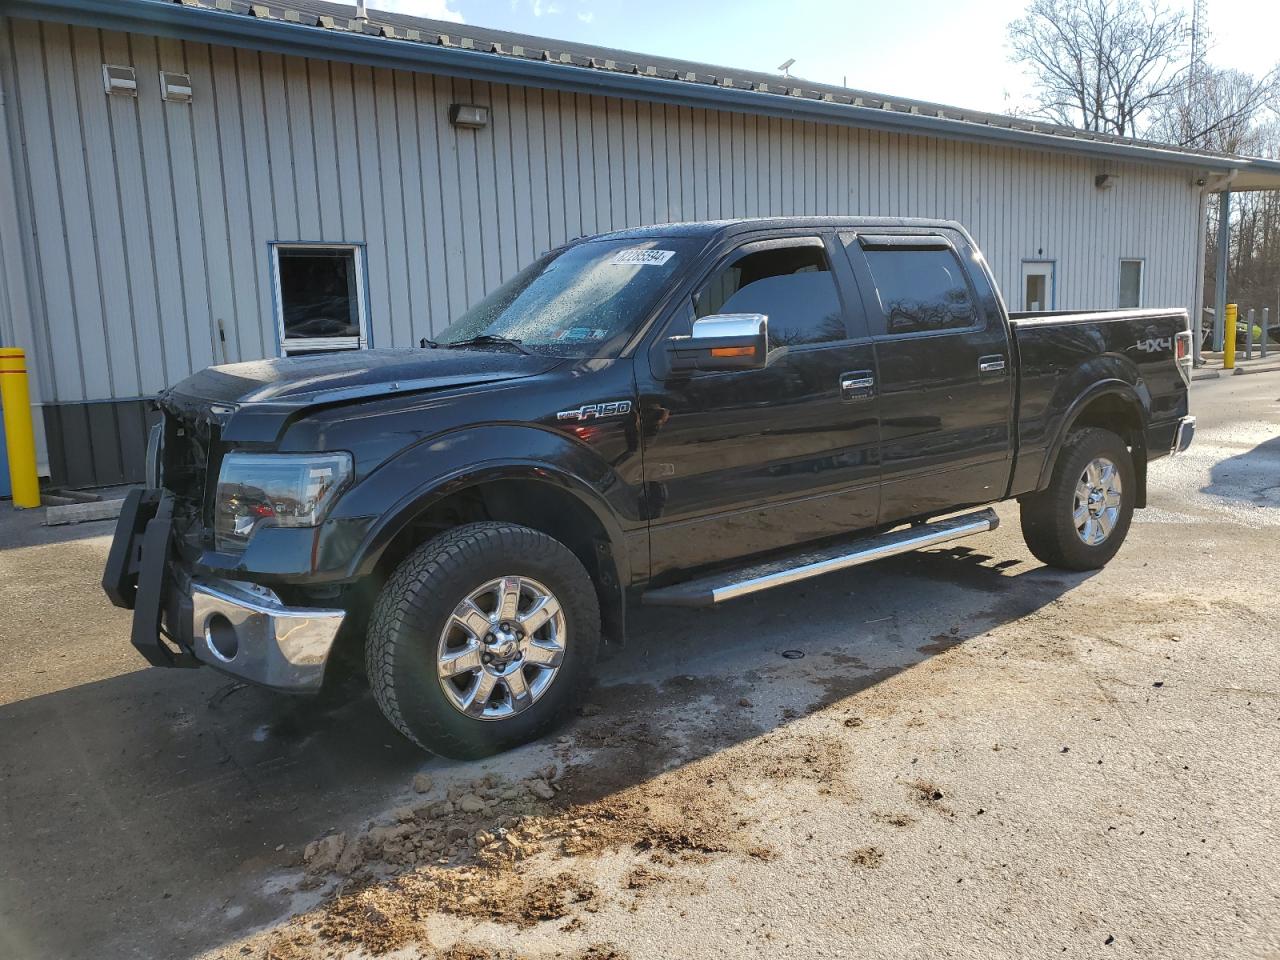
[{"x": 641, "y": 257}]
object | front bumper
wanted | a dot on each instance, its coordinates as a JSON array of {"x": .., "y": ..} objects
[{"x": 179, "y": 620}]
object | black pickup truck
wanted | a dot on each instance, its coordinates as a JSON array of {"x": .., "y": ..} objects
[{"x": 681, "y": 414}]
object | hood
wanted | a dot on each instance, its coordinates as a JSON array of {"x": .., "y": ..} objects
[{"x": 265, "y": 393}]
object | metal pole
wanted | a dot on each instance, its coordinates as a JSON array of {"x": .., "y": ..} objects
[
  {"x": 1220, "y": 291},
  {"x": 18, "y": 434},
  {"x": 1248, "y": 338},
  {"x": 1229, "y": 337},
  {"x": 1266, "y": 329}
]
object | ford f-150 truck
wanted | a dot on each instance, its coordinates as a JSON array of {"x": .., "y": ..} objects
[{"x": 680, "y": 414}]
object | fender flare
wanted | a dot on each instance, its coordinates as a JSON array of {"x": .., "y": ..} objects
[
  {"x": 416, "y": 501},
  {"x": 1110, "y": 387}
]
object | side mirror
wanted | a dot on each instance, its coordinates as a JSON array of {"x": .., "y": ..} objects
[{"x": 727, "y": 341}]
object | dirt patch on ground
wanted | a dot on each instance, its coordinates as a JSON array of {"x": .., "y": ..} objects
[
  {"x": 867, "y": 857},
  {"x": 521, "y": 853}
]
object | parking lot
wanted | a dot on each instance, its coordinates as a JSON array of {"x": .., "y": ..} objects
[{"x": 957, "y": 753}]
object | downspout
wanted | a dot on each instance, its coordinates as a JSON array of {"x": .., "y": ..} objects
[
  {"x": 1221, "y": 186},
  {"x": 17, "y": 328}
]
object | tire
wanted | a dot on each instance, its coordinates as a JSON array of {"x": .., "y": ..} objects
[
  {"x": 1051, "y": 517},
  {"x": 413, "y": 631}
]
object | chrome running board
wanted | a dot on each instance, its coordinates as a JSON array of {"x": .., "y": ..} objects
[{"x": 728, "y": 585}]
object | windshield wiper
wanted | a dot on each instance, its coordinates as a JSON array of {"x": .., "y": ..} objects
[{"x": 489, "y": 339}]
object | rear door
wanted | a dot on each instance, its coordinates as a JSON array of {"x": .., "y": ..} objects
[
  {"x": 944, "y": 375},
  {"x": 745, "y": 461}
]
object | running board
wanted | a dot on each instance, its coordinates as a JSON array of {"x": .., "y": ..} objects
[{"x": 728, "y": 585}]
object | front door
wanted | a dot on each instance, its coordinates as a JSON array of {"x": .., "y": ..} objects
[
  {"x": 741, "y": 462},
  {"x": 945, "y": 372},
  {"x": 1038, "y": 290}
]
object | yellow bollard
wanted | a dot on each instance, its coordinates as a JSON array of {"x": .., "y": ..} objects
[
  {"x": 19, "y": 436},
  {"x": 1229, "y": 338}
]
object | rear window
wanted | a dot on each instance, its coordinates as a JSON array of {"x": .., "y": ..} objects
[{"x": 921, "y": 290}]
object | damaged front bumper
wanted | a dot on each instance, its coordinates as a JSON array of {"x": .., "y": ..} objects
[{"x": 180, "y": 620}]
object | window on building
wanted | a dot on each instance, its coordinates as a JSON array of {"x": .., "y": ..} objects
[
  {"x": 319, "y": 297},
  {"x": 921, "y": 290},
  {"x": 1130, "y": 283},
  {"x": 791, "y": 285}
]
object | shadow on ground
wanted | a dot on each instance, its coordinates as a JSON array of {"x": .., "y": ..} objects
[
  {"x": 142, "y": 813},
  {"x": 1252, "y": 477}
]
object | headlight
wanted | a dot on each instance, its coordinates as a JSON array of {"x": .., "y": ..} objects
[{"x": 274, "y": 489}]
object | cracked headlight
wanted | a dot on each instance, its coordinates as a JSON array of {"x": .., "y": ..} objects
[{"x": 274, "y": 489}]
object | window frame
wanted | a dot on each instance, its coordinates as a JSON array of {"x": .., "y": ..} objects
[
  {"x": 285, "y": 346},
  {"x": 1142, "y": 281},
  {"x": 857, "y": 242}
]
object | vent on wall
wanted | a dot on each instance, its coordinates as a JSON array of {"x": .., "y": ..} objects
[
  {"x": 175, "y": 87},
  {"x": 119, "y": 80}
]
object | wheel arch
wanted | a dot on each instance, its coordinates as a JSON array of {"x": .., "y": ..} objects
[
  {"x": 1113, "y": 405},
  {"x": 530, "y": 494}
]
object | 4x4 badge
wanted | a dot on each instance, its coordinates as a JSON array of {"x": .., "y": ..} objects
[{"x": 588, "y": 411}]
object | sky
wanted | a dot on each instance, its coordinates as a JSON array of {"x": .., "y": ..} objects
[{"x": 946, "y": 51}]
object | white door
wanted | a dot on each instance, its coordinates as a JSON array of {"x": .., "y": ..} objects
[{"x": 1037, "y": 285}]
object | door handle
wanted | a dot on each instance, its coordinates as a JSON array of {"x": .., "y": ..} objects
[
  {"x": 858, "y": 385},
  {"x": 992, "y": 364}
]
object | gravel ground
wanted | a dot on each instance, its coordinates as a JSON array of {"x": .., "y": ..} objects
[{"x": 974, "y": 756}]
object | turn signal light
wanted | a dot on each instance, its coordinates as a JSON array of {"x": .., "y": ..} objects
[{"x": 732, "y": 351}]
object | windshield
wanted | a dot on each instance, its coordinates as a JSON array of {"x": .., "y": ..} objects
[{"x": 573, "y": 301}]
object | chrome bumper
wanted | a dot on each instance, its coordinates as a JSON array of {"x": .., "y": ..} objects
[
  {"x": 1186, "y": 432},
  {"x": 243, "y": 629}
]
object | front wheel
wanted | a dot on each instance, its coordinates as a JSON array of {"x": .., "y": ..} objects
[
  {"x": 482, "y": 639},
  {"x": 1080, "y": 520}
]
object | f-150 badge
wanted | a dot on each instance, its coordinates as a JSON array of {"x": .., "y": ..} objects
[{"x": 592, "y": 411}]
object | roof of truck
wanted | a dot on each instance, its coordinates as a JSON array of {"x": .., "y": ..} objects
[{"x": 709, "y": 228}]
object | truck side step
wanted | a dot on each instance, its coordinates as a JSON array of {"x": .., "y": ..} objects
[{"x": 730, "y": 584}]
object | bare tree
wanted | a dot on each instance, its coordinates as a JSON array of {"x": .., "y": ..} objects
[
  {"x": 1218, "y": 110},
  {"x": 1101, "y": 64}
]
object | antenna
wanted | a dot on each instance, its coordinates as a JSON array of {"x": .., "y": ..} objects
[
  {"x": 786, "y": 67},
  {"x": 1199, "y": 40}
]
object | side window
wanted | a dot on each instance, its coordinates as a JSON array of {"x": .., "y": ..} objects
[
  {"x": 792, "y": 286},
  {"x": 921, "y": 290}
]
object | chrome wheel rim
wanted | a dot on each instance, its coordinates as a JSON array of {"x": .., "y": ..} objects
[
  {"x": 1097, "y": 501},
  {"x": 501, "y": 648}
]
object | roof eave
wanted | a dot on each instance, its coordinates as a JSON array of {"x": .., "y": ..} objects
[{"x": 205, "y": 25}]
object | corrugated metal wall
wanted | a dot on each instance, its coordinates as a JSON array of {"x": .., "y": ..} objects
[{"x": 148, "y": 222}]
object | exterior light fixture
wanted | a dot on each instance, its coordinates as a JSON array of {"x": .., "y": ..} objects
[
  {"x": 1104, "y": 181},
  {"x": 119, "y": 81},
  {"x": 468, "y": 115}
]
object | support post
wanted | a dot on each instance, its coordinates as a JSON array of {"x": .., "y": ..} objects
[
  {"x": 1220, "y": 291},
  {"x": 18, "y": 433},
  {"x": 1248, "y": 338},
  {"x": 1266, "y": 329},
  {"x": 1229, "y": 342}
]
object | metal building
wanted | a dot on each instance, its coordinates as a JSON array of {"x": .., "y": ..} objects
[{"x": 188, "y": 182}]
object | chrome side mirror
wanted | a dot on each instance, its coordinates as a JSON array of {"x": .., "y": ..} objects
[{"x": 727, "y": 341}]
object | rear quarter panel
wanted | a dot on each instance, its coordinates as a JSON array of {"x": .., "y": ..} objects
[{"x": 1067, "y": 361}]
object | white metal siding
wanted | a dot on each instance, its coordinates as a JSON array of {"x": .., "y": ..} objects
[{"x": 148, "y": 222}]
